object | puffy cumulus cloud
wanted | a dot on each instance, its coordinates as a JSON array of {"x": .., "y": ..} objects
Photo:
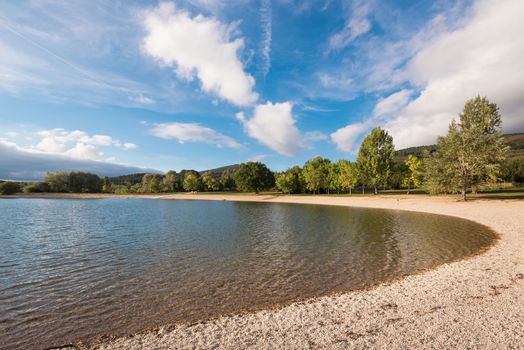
[
  {"x": 346, "y": 137},
  {"x": 483, "y": 56},
  {"x": 193, "y": 132},
  {"x": 17, "y": 163},
  {"x": 76, "y": 143},
  {"x": 201, "y": 47},
  {"x": 273, "y": 125},
  {"x": 356, "y": 25}
]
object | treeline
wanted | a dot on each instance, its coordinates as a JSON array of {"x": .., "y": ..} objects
[{"x": 471, "y": 155}]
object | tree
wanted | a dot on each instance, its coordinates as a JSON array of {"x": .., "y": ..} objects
[
  {"x": 227, "y": 181},
  {"x": 106, "y": 185},
  {"x": 473, "y": 150},
  {"x": 332, "y": 183},
  {"x": 37, "y": 187},
  {"x": 170, "y": 182},
  {"x": 254, "y": 176},
  {"x": 375, "y": 158},
  {"x": 58, "y": 182},
  {"x": 347, "y": 175},
  {"x": 191, "y": 182},
  {"x": 9, "y": 187},
  {"x": 210, "y": 182},
  {"x": 315, "y": 173},
  {"x": 290, "y": 181},
  {"x": 414, "y": 174},
  {"x": 151, "y": 183}
]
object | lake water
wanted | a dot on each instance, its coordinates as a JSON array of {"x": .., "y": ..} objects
[{"x": 75, "y": 270}]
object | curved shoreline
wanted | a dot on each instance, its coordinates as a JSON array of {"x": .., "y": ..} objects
[{"x": 471, "y": 303}]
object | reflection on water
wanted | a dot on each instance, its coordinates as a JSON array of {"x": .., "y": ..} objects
[{"x": 77, "y": 269}]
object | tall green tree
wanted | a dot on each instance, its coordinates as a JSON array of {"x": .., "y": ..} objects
[
  {"x": 414, "y": 175},
  {"x": 473, "y": 150},
  {"x": 227, "y": 182},
  {"x": 290, "y": 181},
  {"x": 315, "y": 173},
  {"x": 254, "y": 177},
  {"x": 375, "y": 158},
  {"x": 191, "y": 182},
  {"x": 332, "y": 183},
  {"x": 106, "y": 185},
  {"x": 347, "y": 176},
  {"x": 58, "y": 182},
  {"x": 210, "y": 182},
  {"x": 170, "y": 182}
]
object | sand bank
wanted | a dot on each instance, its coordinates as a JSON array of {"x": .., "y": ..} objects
[{"x": 476, "y": 303}]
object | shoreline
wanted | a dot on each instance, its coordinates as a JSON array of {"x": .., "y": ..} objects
[{"x": 476, "y": 302}]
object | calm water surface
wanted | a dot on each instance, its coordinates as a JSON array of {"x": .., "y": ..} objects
[{"x": 75, "y": 270}]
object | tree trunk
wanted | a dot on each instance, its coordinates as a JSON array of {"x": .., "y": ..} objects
[
  {"x": 350, "y": 191},
  {"x": 463, "y": 191},
  {"x": 409, "y": 187},
  {"x": 362, "y": 189},
  {"x": 376, "y": 191}
]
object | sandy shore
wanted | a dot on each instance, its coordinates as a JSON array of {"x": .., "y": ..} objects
[{"x": 477, "y": 303}]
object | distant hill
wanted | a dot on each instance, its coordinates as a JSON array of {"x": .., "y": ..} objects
[
  {"x": 514, "y": 141},
  {"x": 219, "y": 171}
]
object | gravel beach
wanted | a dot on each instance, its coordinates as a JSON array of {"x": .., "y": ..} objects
[{"x": 476, "y": 303}]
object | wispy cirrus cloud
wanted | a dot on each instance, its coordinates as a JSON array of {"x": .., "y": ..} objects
[
  {"x": 267, "y": 25},
  {"x": 357, "y": 24}
]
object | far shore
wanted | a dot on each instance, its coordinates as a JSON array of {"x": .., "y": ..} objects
[{"x": 475, "y": 303}]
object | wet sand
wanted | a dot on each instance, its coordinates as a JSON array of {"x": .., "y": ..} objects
[{"x": 476, "y": 303}]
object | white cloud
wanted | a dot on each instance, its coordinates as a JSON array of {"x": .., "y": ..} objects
[
  {"x": 483, "y": 57},
  {"x": 201, "y": 47},
  {"x": 345, "y": 138},
  {"x": 17, "y": 163},
  {"x": 76, "y": 143},
  {"x": 265, "y": 18},
  {"x": 193, "y": 132},
  {"x": 274, "y": 126},
  {"x": 128, "y": 146},
  {"x": 356, "y": 25},
  {"x": 393, "y": 103}
]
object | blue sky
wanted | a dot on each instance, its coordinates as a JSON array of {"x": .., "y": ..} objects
[{"x": 120, "y": 85}]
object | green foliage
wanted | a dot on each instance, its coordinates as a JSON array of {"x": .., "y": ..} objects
[
  {"x": 227, "y": 182},
  {"x": 254, "y": 176},
  {"x": 36, "y": 187},
  {"x": 151, "y": 183},
  {"x": 471, "y": 153},
  {"x": 512, "y": 170},
  {"x": 210, "y": 182},
  {"x": 333, "y": 176},
  {"x": 170, "y": 182},
  {"x": 9, "y": 187},
  {"x": 191, "y": 182},
  {"x": 315, "y": 173},
  {"x": 58, "y": 182},
  {"x": 127, "y": 180},
  {"x": 290, "y": 181},
  {"x": 347, "y": 175},
  {"x": 414, "y": 174},
  {"x": 82, "y": 182},
  {"x": 106, "y": 185},
  {"x": 375, "y": 158}
]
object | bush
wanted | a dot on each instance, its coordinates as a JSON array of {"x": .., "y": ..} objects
[
  {"x": 9, "y": 187},
  {"x": 37, "y": 187}
]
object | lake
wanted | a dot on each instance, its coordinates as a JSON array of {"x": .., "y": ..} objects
[{"x": 76, "y": 270}]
